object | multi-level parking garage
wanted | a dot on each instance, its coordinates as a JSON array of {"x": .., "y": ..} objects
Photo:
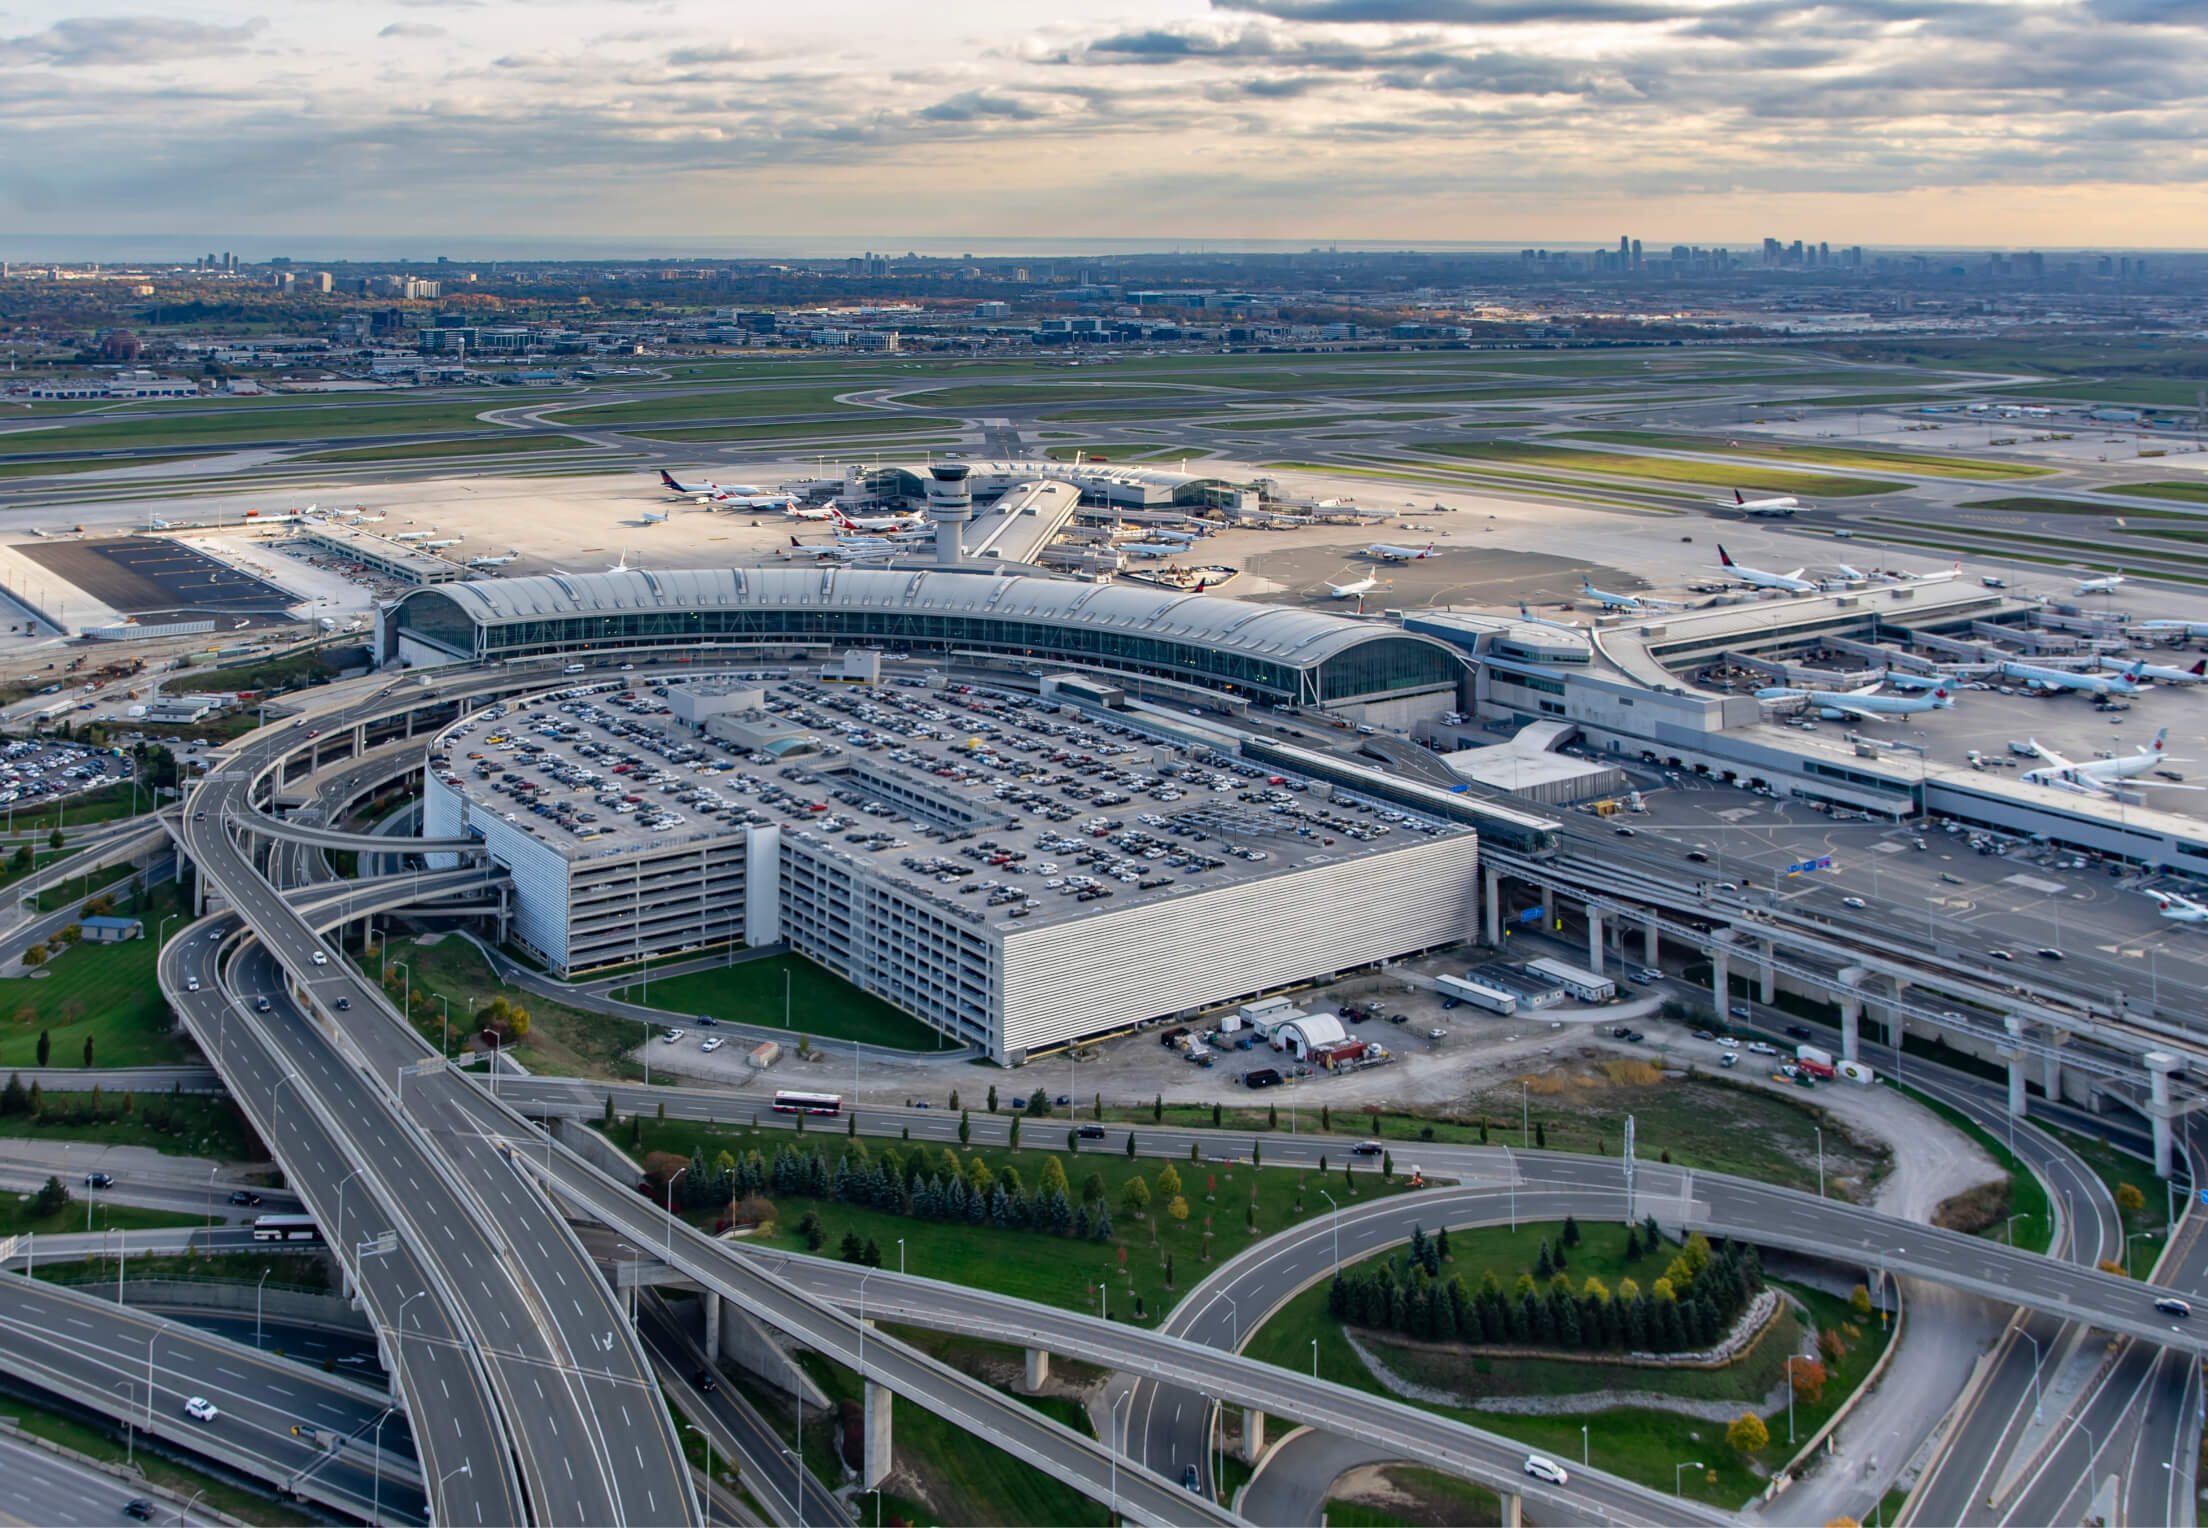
[{"x": 963, "y": 853}]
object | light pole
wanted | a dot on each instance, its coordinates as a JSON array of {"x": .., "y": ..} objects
[
  {"x": 276, "y": 1101},
  {"x": 785, "y": 997},
  {"x": 900, "y": 1257},
  {"x": 671, "y": 1182},
  {"x": 1510, "y": 1168},
  {"x": 466, "y": 1468},
  {"x": 862, "y": 1322},
  {"x": 376, "y": 1496},
  {"x": 1691, "y": 1464},
  {"x": 130, "y": 1446},
  {"x": 1234, "y": 1317},
  {"x": 1791, "y": 1360},
  {"x": 1314, "y": 1358},
  {"x": 2034, "y": 1341},
  {"x": 263, "y": 1279},
  {"x": 349, "y": 1177},
  {"x": 1820, "y": 1160},
  {"x": 1583, "y": 1445},
  {"x": 211, "y": 1194},
  {"x": 2008, "y": 1227},
  {"x": 2128, "y": 1240},
  {"x": 406, "y": 990},
  {"x": 797, "y": 1484},
  {"x": 444, "y": 1005},
  {"x": 708, "y": 1437},
  {"x": 1119, "y": 1441}
]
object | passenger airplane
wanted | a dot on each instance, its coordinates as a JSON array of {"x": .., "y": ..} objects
[
  {"x": 652, "y": 519},
  {"x": 438, "y": 546},
  {"x": 1354, "y": 588},
  {"x": 1153, "y": 549},
  {"x": 1622, "y": 601},
  {"x": 912, "y": 522},
  {"x": 1386, "y": 553},
  {"x": 704, "y": 490},
  {"x": 2197, "y": 674},
  {"x": 1864, "y": 703},
  {"x": 1783, "y": 505},
  {"x": 1756, "y": 578},
  {"x": 2100, "y": 776},
  {"x": 621, "y": 566},
  {"x": 799, "y": 511},
  {"x": 2063, "y": 679},
  {"x": 2099, "y": 585},
  {"x": 2176, "y": 908},
  {"x": 492, "y": 562},
  {"x": 842, "y": 551}
]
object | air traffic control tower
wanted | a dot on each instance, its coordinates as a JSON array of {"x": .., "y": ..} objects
[{"x": 950, "y": 506}]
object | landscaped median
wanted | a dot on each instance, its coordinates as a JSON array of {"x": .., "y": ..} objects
[{"x": 1636, "y": 1354}]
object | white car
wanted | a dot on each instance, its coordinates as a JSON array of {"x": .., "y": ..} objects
[
  {"x": 713, "y": 1044},
  {"x": 320, "y": 958},
  {"x": 670, "y": 1037},
  {"x": 1547, "y": 1469},
  {"x": 1761, "y": 1049},
  {"x": 1855, "y": 902},
  {"x": 191, "y": 984},
  {"x": 200, "y": 1409}
]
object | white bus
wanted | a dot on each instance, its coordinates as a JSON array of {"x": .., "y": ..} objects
[
  {"x": 285, "y": 1228},
  {"x": 787, "y": 1102}
]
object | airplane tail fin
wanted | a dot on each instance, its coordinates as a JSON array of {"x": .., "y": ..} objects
[
  {"x": 2161, "y": 740},
  {"x": 2200, "y": 668},
  {"x": 1737, "y": 499},
  {"x": 668, "y": 478},
  {"x": 1724, "y": 557}
]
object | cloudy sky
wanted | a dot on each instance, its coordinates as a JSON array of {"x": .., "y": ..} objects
[{"x": 836, "y": 123}]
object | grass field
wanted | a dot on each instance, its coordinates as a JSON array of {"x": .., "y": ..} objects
[
  {"x": 819, "y": 1003},
  {"x": 868, "y": 425},
  {"x": 2186, "y": 493},
  {"x": 2027, "y": 1195},
  {"x": 265, "y": 422},
  {"x": 1035, "y": 1265},
  {"x": 562, "y": 1040},
  {"x": 54, "y": 898},
  {"x": 2149, "y": 392},
  {"x": 493, "y": 445},
  {"x": 16, "y": 1218},
  {"x": 1123, "y": 452},
  {"x": 105, "y": 993},
  {"x": 198, "y": 1127},
  {"x": 996, "y": 395},
  {"x": 1853, "y": 457},
  {"x": 53, "y": 469},
  {"x": 2116, "y": 1169},
  {"x": 1666, "y": 469},
  {"x": 290, "y": 672},
  {"x": 103, "y": 803},
  {"x": 2031, "y": 505},
  {"x": 1641, "y": 1444},
  {"x": 732, "y": 403}
]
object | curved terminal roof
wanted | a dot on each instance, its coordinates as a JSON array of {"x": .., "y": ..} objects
[
  {"x": 1116, "y": 625},
  {"x": 1278, "y": 632}
]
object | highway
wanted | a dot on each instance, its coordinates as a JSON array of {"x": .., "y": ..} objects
[
  {"x": 557, "y": 1383},
  {"x": 40, "y": 1488},
  {"x": 102, "y": 1356}
]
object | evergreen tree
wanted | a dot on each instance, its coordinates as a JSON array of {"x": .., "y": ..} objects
[
  {"x": 1543, "y": 1264},
  {"x": 871, "y": 1254},
  {"x": 1215, "y": 1116},
  {"x": 1540, "y": 1136},
  {"x": 853, "y": 1249},
  {"x": 1441, "y": 1245},
  {"x": 15, "y": 1099},
  {"x": 1571, "y": 1231},
  {"x": 1157, "y": 1112},
  {"x": 1102, "y": 1230},
  {"x": 45, "y": 1046},
  {"x": 1651, "y": 1233},
  {"x": 1632, "y": 1244},
  {"x": 609, "y": 1114},
  {"x": 1081, "y": 1227}
]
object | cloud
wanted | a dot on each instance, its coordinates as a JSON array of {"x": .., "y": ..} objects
[
  {"x": 977, "y": 105},
  {"x": 411, "y": 29},
  {"x": 730, "y": 52},
  {"x": 1455, "y": 12},
  {"x": 92, "y": 42}
]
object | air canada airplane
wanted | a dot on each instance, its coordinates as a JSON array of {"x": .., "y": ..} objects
[
  {"x": 2100, "y": 777},
  {"x": 1386, "y": 553},
  {"x": 1756, "y": 578},
  {"x": 1354, "y": 587},
  {"x": 1785, "y": 504},
  {"x": 1863, "y": 703}
]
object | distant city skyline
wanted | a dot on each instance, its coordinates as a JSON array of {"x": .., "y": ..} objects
[{"x": 560, "y": 129}]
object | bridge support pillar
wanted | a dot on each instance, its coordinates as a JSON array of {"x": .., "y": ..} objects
[
  {"x": 2051, "y": 1064},
  {"x": 2017, "y": 1067},
  {"x": 1594, "y": 941},
  {"x": 712, "y": 1324},
  {"x": 1649, "y": 943},
  {"x": 1037, "y": 1373},
  {"x": 1851, "y": 1012},
  {"x": 1514, "y": 1510},
  {"x": 1770, "y": 987},
  {"x": 360, "y": 739},
  {"x": 1548, "y": 909},
  {"x": 2161, "y": 1067},
  {"x": 1253, "y": 1435},
  {"x": 875, "y": 1467},
  {"x": 1721, "y": 982},
  {"x": 1494, "y": 908}
]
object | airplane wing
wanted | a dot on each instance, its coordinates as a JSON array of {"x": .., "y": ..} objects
[
  {"x": 1797, "y": 573},
  {"x": 2048, "y": 754}
]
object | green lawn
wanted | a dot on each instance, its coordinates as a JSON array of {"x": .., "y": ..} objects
[
  {"x": 1036, "y": 1265},
  {"x": 107, "y": 993},
  {"x": 1667, "y": 469},
  {"x": 1124, "y": 452},
  {"x": 867, "y": 425},
  {"x": 1638, "y": 1443},
  {"x": 2116, "y": 1169},
  {"x": 1858, "y": 458},
  {"x": 494, "y": 445},
  {"x": 267, "y": 421},
  {"x": 78, "y": 887},
  {"x": 729, "y": 403},
  {"x": 272, "y": 675},
  {"x": 820, "y": 1003},
  {"x": 180, "y": 1126},
  {"x": 1052, "y": 391},
  {"x": 103, "y": 803},
  {"x": 16, "y": 1218},
  {"x": 562, "y": 1041},
  {"x": 55, "y": 469},
  {"x": 2189, "y": 493},
  {"x": 2029, "y": 505}
]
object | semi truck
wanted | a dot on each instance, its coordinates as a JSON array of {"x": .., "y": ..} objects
[
  {"x": 1816, "y": 1062},
  {"x": 1478, "y": 994}
]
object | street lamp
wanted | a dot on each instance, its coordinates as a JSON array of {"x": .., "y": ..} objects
[
  {"x": 276, "y": 1101},
  {"x": 2008, "y": 1227},
  {"x": 708, "y": 1437},
  {"x": 1314, "y": 1358},
  {"x": 1334, "y": 1221},
  {"x": 2128, "y": 1240},
  {"x": 130, "y": 1446},
  {"x": 1583, "y": 1445},
  {"x": 211, "y": 1194},
  {"x": 263, "y": 1279},
  {"x": 376, "y": 1496},
  {"x": 671, "y": 1182},
  {"x": 2034, "y": 1341},
  {"x": 1119, "y": 1442},
  {"x": 349, "y": 1177},
  {"x": 1234, "y": 1316},
  {"x": 900, "y": 1257},
  {"x": 862, "y": 1323},
  {"x": 445, "y": 1006},
  {"x": 1691, "y": 1464},
  {"x": 1820, "y": 1160}
]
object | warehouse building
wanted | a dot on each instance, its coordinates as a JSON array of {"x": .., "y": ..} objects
[{"x": 1021, "y": 873}]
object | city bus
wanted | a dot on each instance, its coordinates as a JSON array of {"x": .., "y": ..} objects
[
  {"x": 285, "y": 1228},
  {"x": 786, "y": 1102}
]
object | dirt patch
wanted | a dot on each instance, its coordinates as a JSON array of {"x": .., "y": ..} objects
[{"x": 1974, "y": 1209}]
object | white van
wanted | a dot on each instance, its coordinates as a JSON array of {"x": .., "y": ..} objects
[
  {"x": 572, "y": 668},
  {"x": 1547, "y": 1469}
]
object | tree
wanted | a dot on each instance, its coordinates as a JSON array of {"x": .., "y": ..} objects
[
  {"x": 1054, "y": 1177},
  {"x": 88, "y": 1051},
  {"x": 54, "y": 839},
  {"x": 1169, "y": 1182},
  {"x": 1832, "y": 1345},
  {"x": 1540, "y": 1136},
  {"x": 1177, "y": 1207},
  {"x": 45, "y": 1037},
  {"x": 1135, "y": 1196},
  {"x": 1807, "y": 1376},
  {"x": 1215, "y": 1116},
  {"x": 871, "y": 1254},
  {"x": 1632, "y": 1244},
  {"x": 52, "y": 1199},
  {"x": 1859, "y": 1300},
  {"x": 1092, "y": 1189},
  {"x": 1130, "y": 1145},
  {"x": 1387, "y": 1165},
  {"x": 1272, "y": 1116},
  {"x": 20, "y": 861},
  {"x": 517, "y": 1023},
  {"x": 14, "y": 1099},
  {"x": 1157, "y": 1109},
  {"x": 853, "y": 1250},
  {"x": 35, "y": 956},
  {"x": 965, "y": 1128},
  {"x": 2129, "y": 1199},
  {"x": 1747, "y": 1433},
  {"x": 608, "y": 1121},
  {"x": 992, "y": 1098},
  {"x": 1571, "y": 1231}
]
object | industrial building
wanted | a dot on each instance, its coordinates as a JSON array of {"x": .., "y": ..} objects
[{"x": 1019, "y": 872}]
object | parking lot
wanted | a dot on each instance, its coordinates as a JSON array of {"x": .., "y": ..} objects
[{"x": 36, "y": 773}]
